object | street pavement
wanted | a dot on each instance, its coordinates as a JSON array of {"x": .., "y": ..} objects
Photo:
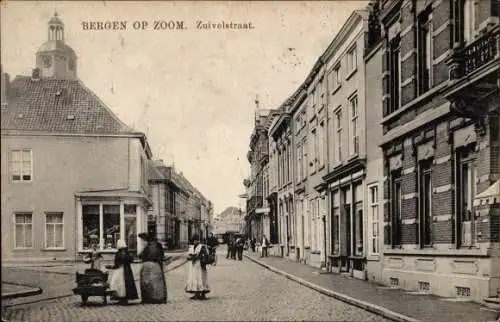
[
  {"x": 389, "y": 302},
  {"x": 241, "y": 291}
]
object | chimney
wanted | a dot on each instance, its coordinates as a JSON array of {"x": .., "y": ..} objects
[
  {"x": 5, "y": 84},
  {"x": 36, "y": 74}
]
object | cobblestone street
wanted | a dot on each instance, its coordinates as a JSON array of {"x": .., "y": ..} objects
[{"x": 241, "y": 290}]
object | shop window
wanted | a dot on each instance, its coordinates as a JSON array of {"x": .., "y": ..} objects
[
  {"x": 373, "y": 209},
  {"x": 91, "y": 226},
  {"x": 111, "y": 225}
]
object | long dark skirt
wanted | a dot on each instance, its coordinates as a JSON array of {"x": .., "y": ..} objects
[{"x": 153, "y": 285}]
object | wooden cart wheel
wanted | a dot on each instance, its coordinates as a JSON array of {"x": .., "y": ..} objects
[{"x": 84, "y": 299}]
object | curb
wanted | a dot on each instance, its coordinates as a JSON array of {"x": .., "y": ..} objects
[
  {"x": 29, "y": 292},
  {"x": 373, "y": 308},
  {"x": 179, "y": 258}
]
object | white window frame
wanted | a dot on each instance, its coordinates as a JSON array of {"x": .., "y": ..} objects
[
  {"x": 54, "y": 224},
  {"x": 21, "y": 161},
  {"x": 374, "y": 205},
  {"x": 336, "y": 78},
  {"x": 24, "y": 229},
  {"x": 469, "y": 21},
  {"x": 314, "y": 150},
  {"x": 321, "y": 144},
  {"x": 338, "y": 133},
  {"x": 353, "y": 128},
  {"x": 352, "y": 60}
]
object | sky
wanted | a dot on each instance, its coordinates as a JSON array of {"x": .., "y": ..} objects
[{"x": 191, "y": 91}]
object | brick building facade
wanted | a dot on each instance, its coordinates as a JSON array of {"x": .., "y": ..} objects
[{"x": 440, "y": 150}]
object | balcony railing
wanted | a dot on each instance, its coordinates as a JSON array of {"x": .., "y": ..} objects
[
  {"x": 480, "y": 52},
  {"x": 469, "y": 59}
]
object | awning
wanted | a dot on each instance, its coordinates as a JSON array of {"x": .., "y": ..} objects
[{"x": 489, "y": 196}]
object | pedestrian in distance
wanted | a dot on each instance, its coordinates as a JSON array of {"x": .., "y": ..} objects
[
  {"x": 122, "y": 278},
  {"x": 239, "y": 247},
  {"x": 252, "y": 244},
  {"x": 212, "y": 244},
  {"x": 233, "y": 248},
  {"x": 265, "y": 246},
  {"x": 197, "y": 279},
  {"x": 153, "y": 284}
]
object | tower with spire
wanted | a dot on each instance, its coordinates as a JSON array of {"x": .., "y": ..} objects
[{"x": 55, "y": 59}]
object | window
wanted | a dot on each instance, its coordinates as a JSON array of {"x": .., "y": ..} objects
[
  {"x": 101, "y": 224},
  {"x": 395, "y": 74},
  {"x": 111, "y": 225},
  {"x": 336, "y": 78},
  {"x": 396, "y": 213},
  {"x": 299, "y": 163},
  {"x": 21, "y": 165},
  {"x": 23, "y": 230},
  {"x": 351, "y": 60},
  {"x": 54, "y": 230},
  {"x": 321, "y": 144},
  {"x": 354, "y": 146},
  {"x": 322, "y": 98},
  {"x": 465, "y": 186},
  {"x": 335, "y": 223},
  {"x": 425, "y": 52},
  {"x": 313, "y": 98},
  {"x": 425, "y": 209},
  {"x": 468, "y": 20},
  {"x": 290, "y": 164},
  {"x": 91, "y": 225},
  {"x": 338, "y": 141},
  {"x": 373, "y": 208},
  {"x": 314, "y": 159},
  {"x": 130, "y": 219},
  {"x": 304, "y": 164},
  {"x": 358, "y": 220}
]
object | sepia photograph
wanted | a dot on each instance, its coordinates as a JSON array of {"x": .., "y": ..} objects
[{"x": 250, "y": 160}]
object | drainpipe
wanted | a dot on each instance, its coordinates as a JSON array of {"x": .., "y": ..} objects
[{"x": 323, "y": 218}]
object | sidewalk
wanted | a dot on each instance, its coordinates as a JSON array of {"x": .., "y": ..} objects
[
  {"x": 394, "y": 304},
  {"x": 57, "y": 281}
]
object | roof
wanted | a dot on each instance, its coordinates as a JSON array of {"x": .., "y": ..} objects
[
  {"x": 154, "y": 173},
  {"x": 55, "y": 45},
  {"x": 57, "y": 105}
]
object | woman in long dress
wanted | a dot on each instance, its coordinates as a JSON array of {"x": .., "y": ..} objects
[
  {"x": 197, "y": 283},
  {"x": 153, "y": 285},
  {"x": 122, "y": 278}
]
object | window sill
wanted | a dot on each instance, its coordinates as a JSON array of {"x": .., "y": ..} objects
[
  {"x": 353, "y": 156},
  {"x": 414, "y": 102},
  {"x": 21, "y": 181},
  {"x": 352, "y": 72},
  {"x": 106, "y": 251},
  {"x": 435, "y": 252},
  {"x": 58, "y": 249},
  {"x": 336, "y": 89},
  {"x": 20, "y": 249},
  {"x": 373, "y": 257}
]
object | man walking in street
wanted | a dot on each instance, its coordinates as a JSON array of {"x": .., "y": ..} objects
[
  {"x": 265, "y": 246},
  {"x": 239, "y": 247}
]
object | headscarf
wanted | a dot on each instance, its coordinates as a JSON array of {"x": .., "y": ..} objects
[{"x": 121, "y": 244}]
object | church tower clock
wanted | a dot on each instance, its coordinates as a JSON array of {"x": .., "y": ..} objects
[{"x": 54, "y": 58}]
